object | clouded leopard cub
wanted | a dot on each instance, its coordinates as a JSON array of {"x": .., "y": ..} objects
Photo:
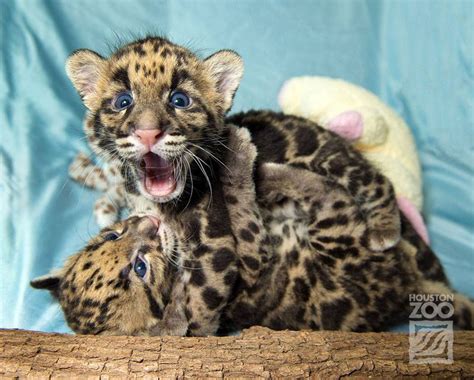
[
  {"x": 160, "y": 111},
  {"x": 141, "y": 276}
]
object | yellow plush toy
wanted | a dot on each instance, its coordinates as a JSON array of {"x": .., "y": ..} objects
[{"x": 374, "y": 128}]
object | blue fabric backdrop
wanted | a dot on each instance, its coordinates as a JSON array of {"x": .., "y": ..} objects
[{"x": 417, "y": 55}]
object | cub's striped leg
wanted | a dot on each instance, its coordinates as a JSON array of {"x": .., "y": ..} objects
[
  {"x": 107, "y": 180},
  {"x": 85, "y": 172},
  {"x": 246, "y": 220},
  {"x": 373, "y": 192},
  {"x": 230, "y": 240},
  {"x": 293, "y": 140}
]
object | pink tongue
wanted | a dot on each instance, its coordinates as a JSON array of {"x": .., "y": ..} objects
[{"x": 159, "y": 175}]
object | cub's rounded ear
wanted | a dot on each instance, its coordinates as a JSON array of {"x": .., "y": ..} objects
[
  {"x": 227, "y": 68},
  {"x": 84, "y": 67},
  {"x": 50, "y": 281}
]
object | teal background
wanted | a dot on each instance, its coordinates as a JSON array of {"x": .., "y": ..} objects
[{"x": 417, "y": 55}]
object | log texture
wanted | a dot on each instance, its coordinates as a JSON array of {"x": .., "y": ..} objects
[{"x": 256, "y": 353}]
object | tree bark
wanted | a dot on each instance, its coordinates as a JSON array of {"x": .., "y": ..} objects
[{"x": 256, "y": 353}]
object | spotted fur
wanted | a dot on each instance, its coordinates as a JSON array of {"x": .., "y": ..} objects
[
  {"x": 194, "y": 143},
  {"x": 107, "y": 179},
  {"x": 97, "y": 289},
  {"x": 193, "y": 140},
  {"x": 321, "y": 275},
  {"x": 312, "y": 271}
]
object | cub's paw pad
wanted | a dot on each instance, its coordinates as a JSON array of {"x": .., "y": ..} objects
[{"x": 383, "y": 239}]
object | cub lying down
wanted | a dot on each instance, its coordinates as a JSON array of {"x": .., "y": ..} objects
[{"x": 135, "y": 277}]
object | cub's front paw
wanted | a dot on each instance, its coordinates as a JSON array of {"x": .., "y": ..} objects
[
  {"x": 174, "y": 320},
  {"x": 272, "y": 179},
  {"x": 384, "y": 229},
  {"x": 240, "y": 142},
  {"x": 77, "y": 169},
  {"x": 241, "y": 155},
  {"x": 383, "y": 239}
]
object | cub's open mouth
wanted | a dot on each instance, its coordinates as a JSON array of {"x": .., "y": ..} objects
[{"x": 159, "y": 176}]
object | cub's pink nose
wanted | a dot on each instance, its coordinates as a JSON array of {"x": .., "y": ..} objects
[{"x": 148, "y": 137}]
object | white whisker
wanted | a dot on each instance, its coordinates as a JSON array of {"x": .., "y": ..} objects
[{"x": 211, "y": 155}]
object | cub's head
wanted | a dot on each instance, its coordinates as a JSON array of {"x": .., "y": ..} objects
[
  {"x": 120, "y": 282},
  {"x": 158, "y": 109}
]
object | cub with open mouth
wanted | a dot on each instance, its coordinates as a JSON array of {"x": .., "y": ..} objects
[
  {"x": 158, "y": 178},
  {"x": 159, "y": 110}
]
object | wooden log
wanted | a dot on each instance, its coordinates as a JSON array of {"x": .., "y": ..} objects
[{"x": 256, "y": 353}]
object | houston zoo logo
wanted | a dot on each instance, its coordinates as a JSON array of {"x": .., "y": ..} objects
[{"x": 431, "y": 329}]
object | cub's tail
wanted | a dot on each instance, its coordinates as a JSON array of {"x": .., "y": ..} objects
[
  {"x": 440, "y": 302},
  {"x": 436, "y": 299}
]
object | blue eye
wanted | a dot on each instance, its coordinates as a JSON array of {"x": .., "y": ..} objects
[
  {"x": 111, "y": 236},
  {"x": 179, "y": 99},
  {"x": 123, "y": 101},
  {"x": 140, "y": 267}
]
